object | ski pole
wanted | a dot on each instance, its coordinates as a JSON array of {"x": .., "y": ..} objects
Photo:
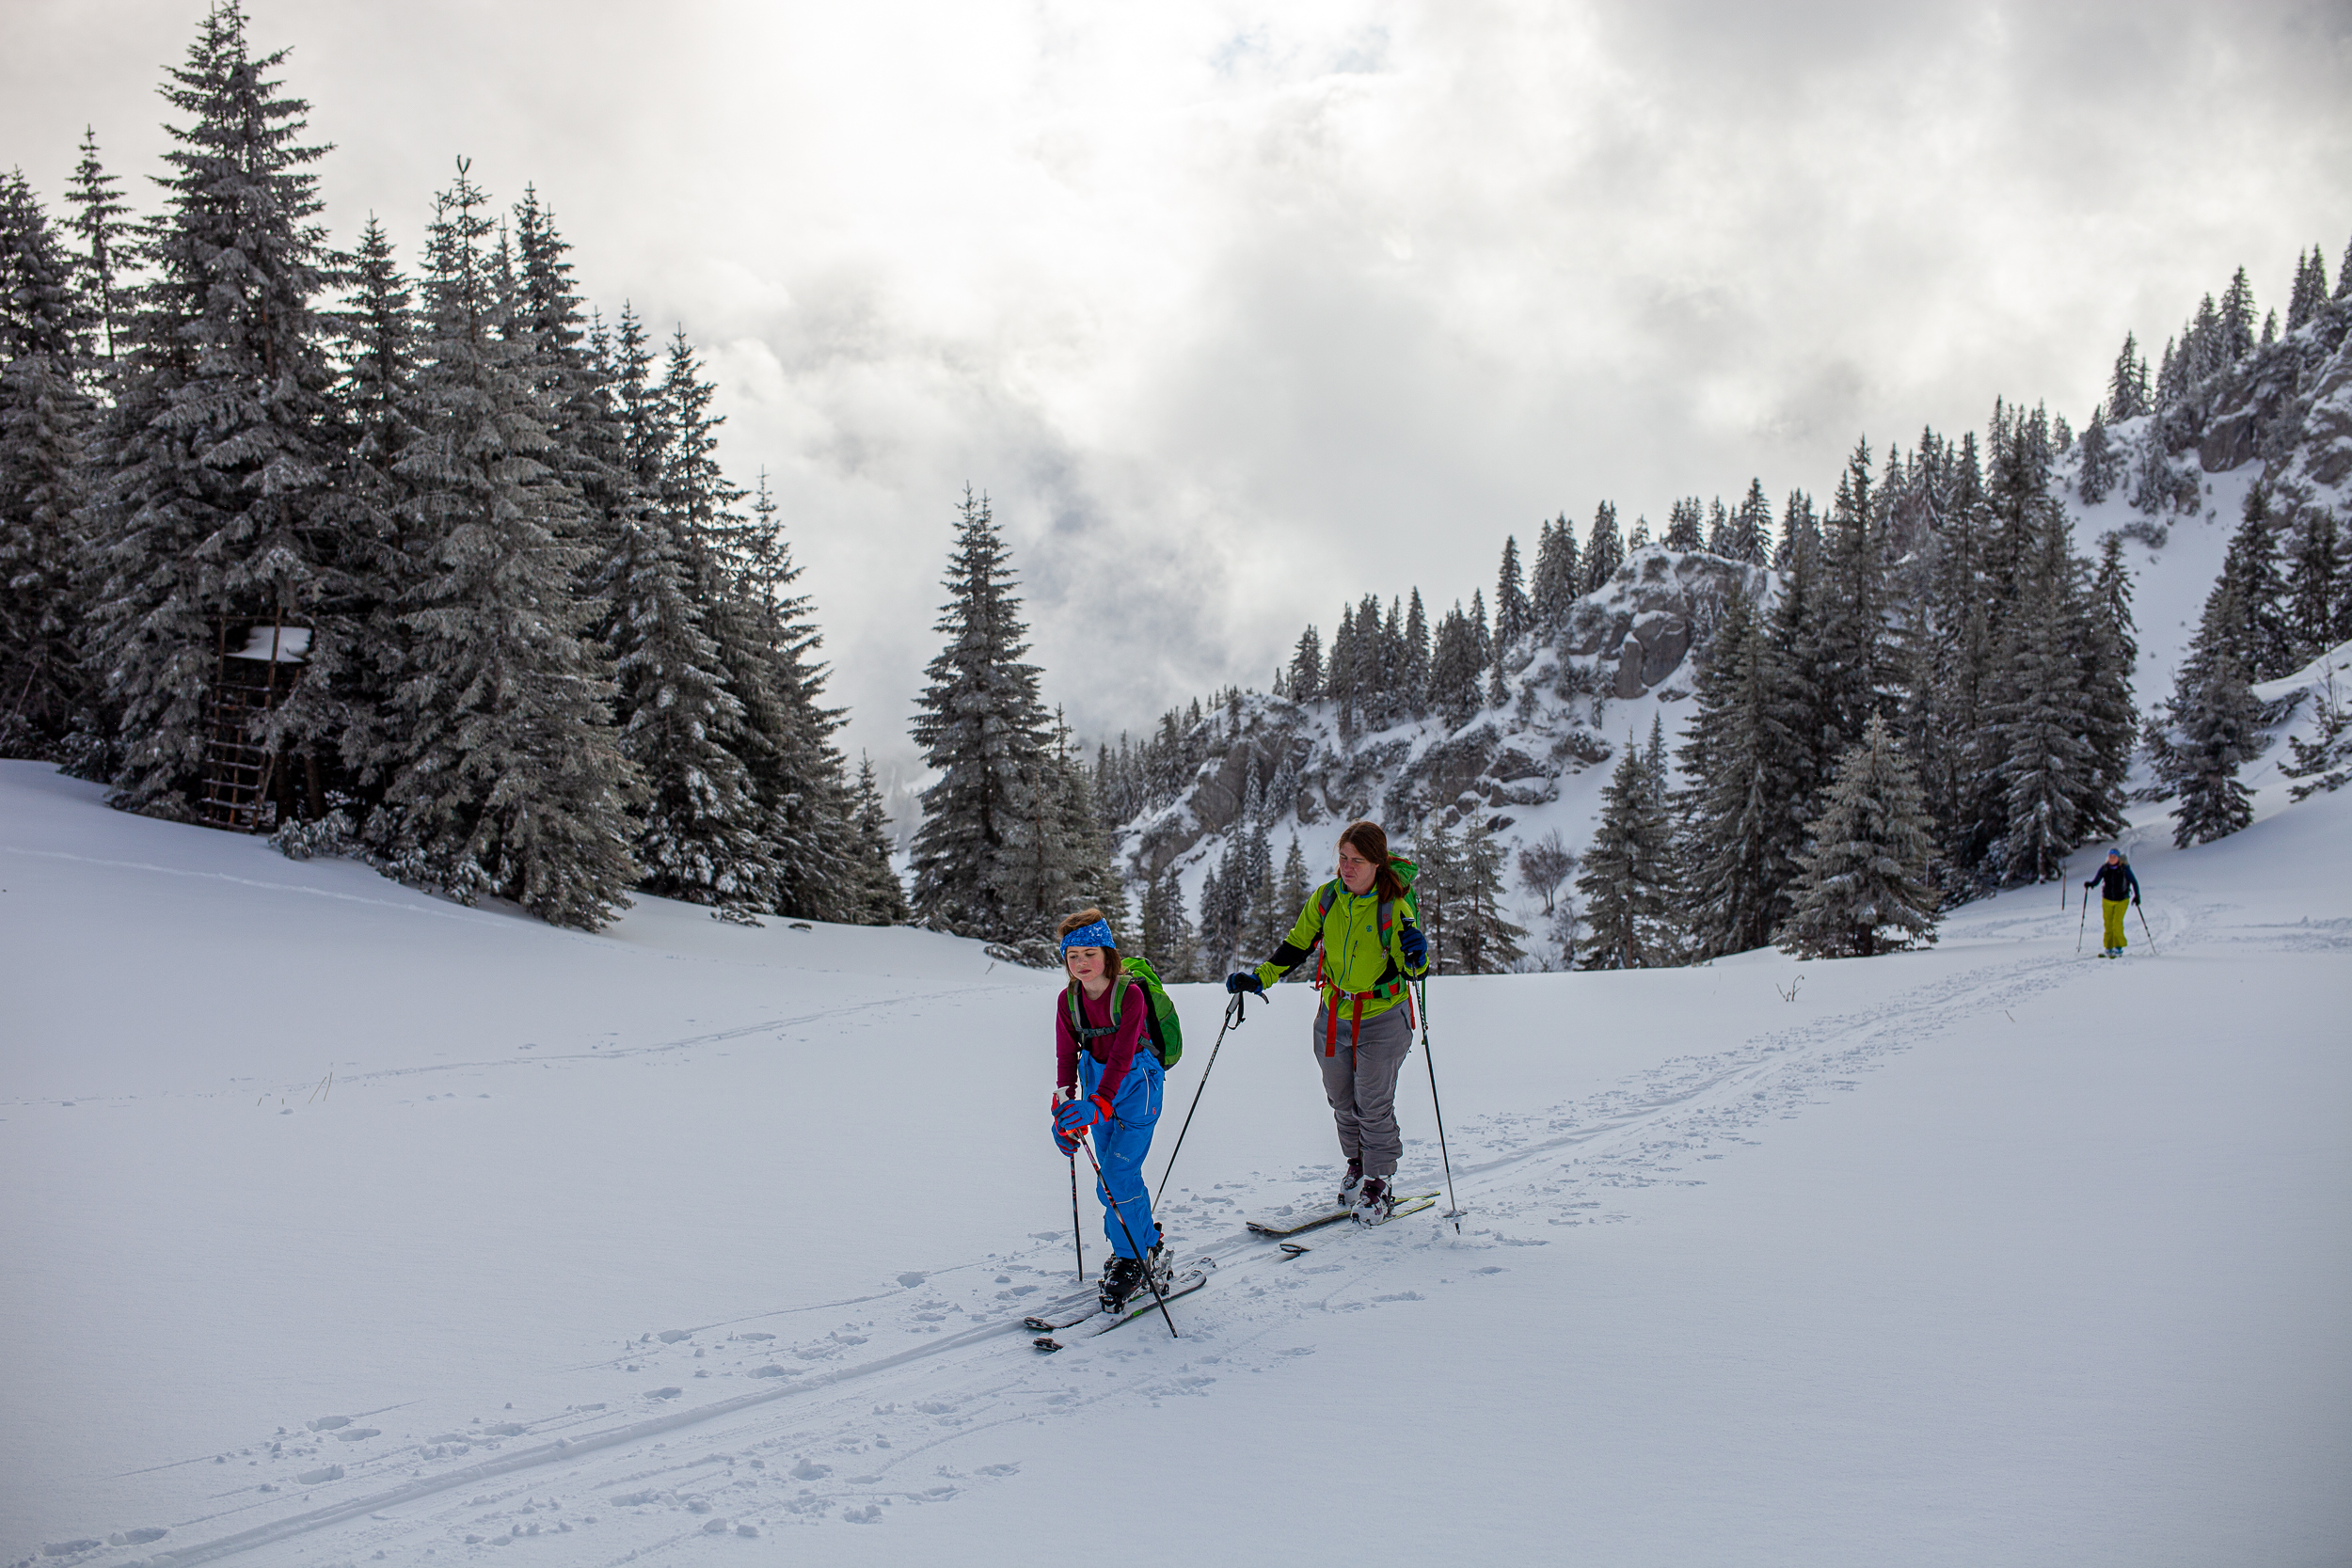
[
  {"x": 1234, "y": 1010},
  {"x": 1439, "y": 1106},
  {"x": 1077, "y": 1243},
  {"x": 2081, "y": 924},
  {"x": 1123, "y": 1230},
  {"x": 2143, "y": 927}
]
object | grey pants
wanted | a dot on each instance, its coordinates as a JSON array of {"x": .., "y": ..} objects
[{"x": 1359, "y": 1081}]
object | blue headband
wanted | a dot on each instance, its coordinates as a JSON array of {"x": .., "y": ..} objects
[{"x": 1096, "y": 935}]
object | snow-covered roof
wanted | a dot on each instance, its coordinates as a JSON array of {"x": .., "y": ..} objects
[{"x": 292, "y": 642}]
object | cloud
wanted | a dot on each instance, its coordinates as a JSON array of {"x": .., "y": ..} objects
[{"x": 1240, "y": 310}]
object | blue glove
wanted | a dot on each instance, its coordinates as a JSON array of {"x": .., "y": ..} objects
[
  {"x": 1064, "y": 1143},
  {"x": 1416, "y": 946},
  {"x": 1245, "y": 980},
  {"x": 1076, "y": 1116}
]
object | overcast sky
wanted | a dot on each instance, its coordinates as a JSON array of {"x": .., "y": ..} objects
[{"x": 1239, "y": 310}]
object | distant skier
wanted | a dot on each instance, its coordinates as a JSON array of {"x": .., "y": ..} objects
[
  {"x": 1108, "y": 1081},
  {"x": 2118, "y": 888},
  {"x": 1367, "y": 926}
]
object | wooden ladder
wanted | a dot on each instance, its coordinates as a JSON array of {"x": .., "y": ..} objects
[{"x": 236, "y": 770}]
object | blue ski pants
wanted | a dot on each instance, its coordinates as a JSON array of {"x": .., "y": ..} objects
[{"x": 1120, "y": 1145}]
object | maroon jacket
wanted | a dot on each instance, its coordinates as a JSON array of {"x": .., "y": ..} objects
[{"x": 1117, "y": 1053}]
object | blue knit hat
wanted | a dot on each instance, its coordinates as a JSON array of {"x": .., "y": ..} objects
[{"x": 1096, "y": 935}]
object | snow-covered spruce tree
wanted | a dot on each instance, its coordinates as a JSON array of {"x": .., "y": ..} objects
[
  {"x": 1849, "y": 659},
  {"x": 699, "y": 829},
  {"x": 1862, "y": 887},
  {"x": 2108, "y": 653},
  {"x": 2318, "y": 615},
  {"x": 1305, "y": 670},
  {"x": 1413, "y": 683},
  {"x": 981, "y": 726},
  {"x": 1799, "y": 527},
  {"x": 1800, "y": 727},
  {"x": 1558, "y": 579},
  {"x": 1437, "y": 856},
  {"x": 2099, "y": 464},
  {"x": 1686, "y": 524},
  {"x": 2045, "y": 767},
  {"x": 1340, "y": 675},
  {"x": 2262, "y": 639},
  {"x": 505, "y": 777},
  {"x": 1604, "y": 548},
  {"x": 214, "y": 467},
  {"x": 1628, "y": 874},
  {"x": 1737, "y": 839},
  {"x": 2212, "y": 725},
  {"x": 1266, "y": 921},
  {"x": 104, "y": 252},
  {"x": 1477, "y": 939},
  {"x": 1290, "y": 892},
  {"x": 1750, "y": 538},
  {"x": 701, "y": 832},
  {"x": 767, "y": 643},
  {"x": 45, "y": 421},
  {"x": 1513, "y": 615},
  {"x": 375, "y": 348},
  {"x": 1167, "y": 935},
  {"x": 880, "y": 898},
  {"x": 1068, "y": 861},
  {"x": 2127, "y": 384},
  {"x": 1453, "y": 670}
]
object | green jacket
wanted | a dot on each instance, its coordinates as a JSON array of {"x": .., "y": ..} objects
[{"x": 1355, "y": 959}]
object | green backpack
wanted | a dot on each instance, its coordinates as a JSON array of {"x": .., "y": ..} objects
[{"x": 1167, "y": 1031}]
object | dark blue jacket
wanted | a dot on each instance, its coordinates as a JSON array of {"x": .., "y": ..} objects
[{"x": 2120, "y": 883}]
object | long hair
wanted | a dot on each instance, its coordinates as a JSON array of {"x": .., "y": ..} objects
[{"x": 1371, "y": 842}]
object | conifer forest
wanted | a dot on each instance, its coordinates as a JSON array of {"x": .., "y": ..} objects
[{"x": 430, "y": 562}]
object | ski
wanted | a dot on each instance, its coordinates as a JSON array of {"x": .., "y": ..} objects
[
  {"x": 1407, "y": 1203},
  {"x": 1080, "y": 1306},
  {"x": 1141, "y": 1304},
  {"x": 1065, "y": 1311}
]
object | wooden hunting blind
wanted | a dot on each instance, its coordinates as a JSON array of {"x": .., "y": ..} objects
[{"x": 245, "y": 782}]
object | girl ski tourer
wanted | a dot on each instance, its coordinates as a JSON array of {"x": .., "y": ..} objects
[{"x": 1107, "y": 1087}]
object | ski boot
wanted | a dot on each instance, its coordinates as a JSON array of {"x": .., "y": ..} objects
[
  {"x": 1122, "y": 1278},
  {"x": 1374, "y": 1202},
  {"x": 1354, "y": 1180}
]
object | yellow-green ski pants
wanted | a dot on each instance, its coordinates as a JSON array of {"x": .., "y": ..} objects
[{"x": 2111, "y": 911}]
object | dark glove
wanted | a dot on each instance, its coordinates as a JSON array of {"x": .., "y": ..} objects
[
  {"x": 1243, "y": 980},
  {"x": 1416, "y": 945}
]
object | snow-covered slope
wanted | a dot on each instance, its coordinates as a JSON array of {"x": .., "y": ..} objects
[{"x": 635, "y": 1244}]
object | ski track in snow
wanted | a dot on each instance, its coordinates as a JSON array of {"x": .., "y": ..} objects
[{"x": 746, "y": 1432}]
